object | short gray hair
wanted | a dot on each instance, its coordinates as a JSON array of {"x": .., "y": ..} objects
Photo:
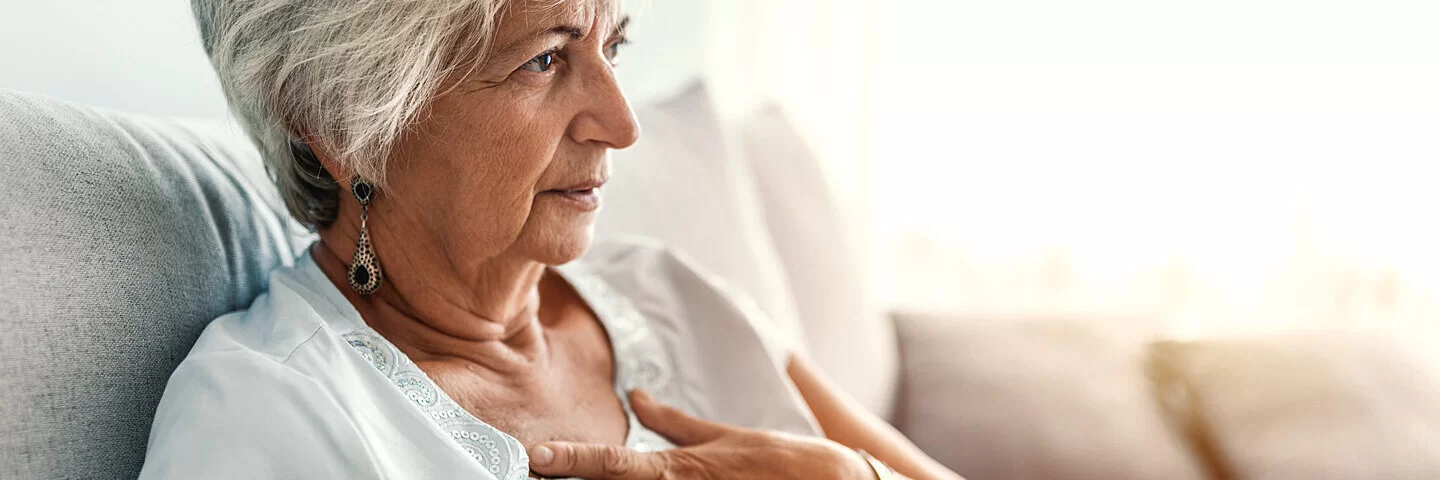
[{"x": 347, "y": 75}]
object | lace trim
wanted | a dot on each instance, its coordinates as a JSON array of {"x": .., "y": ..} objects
[
  {"x": 495, "y": 451},
  {"x": 641, "y": 362}
]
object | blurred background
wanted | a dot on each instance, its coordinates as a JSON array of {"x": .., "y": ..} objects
[{"x": 1221, "y": 165}]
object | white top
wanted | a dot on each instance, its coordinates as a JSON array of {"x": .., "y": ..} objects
[{"x": 298, "y": 386}]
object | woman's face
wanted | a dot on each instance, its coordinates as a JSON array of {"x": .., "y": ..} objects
[{"x": 512, "y": 159}]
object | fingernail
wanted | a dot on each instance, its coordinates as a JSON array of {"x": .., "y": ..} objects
[
  {"x": 641, "y": 395},
  {"x": 541, "y": 455}
]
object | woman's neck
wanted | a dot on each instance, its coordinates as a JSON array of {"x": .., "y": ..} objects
[{"x": 488, "y": 314}]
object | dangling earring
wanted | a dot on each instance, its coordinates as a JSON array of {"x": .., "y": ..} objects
[{"x": 365, "y": 274}]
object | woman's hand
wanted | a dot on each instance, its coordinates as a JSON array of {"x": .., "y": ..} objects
[{"x": 707, "y": 450}]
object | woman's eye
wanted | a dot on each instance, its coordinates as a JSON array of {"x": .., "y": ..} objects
[
  {"x": 613, "y": 49},
  {"x": 541, "y": 63}
]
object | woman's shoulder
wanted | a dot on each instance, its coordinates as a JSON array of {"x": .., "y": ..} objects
[
  {"x": 248, "y": 353},
  {"x": 252, "y": 387},
  {"x": 234, "y": 407},
  {"x": 287, "y": 318},
  {"x": 275, "y": 325}
]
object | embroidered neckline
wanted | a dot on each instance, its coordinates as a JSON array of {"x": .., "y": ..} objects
[
  {"x": 495, "y": 451},
  {"x": 640, "y": 362}
]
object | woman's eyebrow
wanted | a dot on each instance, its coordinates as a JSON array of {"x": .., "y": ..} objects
[
  {"x": 514, "y": 46},
  {"x": 572, "y": 31},
  {"x": 619, "y": 30}
]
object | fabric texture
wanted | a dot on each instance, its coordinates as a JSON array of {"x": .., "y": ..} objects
[
  {"x": 298, "y": 386},
  {"x": 120, "y": 238},
  {"x": 1018, "y": 398},
  {"x": 1311, "y": 406},
  {"x": 848, "y": 335},
  {"x": 684, "y": 184}
]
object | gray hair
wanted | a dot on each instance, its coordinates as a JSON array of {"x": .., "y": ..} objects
[{"x": 349, "y": 76}]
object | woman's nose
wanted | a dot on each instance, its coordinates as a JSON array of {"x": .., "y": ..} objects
[{"x": 607, "y": 117}]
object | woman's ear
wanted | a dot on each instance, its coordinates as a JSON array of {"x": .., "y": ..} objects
[{"x": 313, "y": 155}]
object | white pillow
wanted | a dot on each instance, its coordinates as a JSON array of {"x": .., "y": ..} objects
[
  {"x": 848, "y": 335},
  {"x": 682, "y": 185}
]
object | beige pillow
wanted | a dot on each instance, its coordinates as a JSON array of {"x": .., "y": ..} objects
[
  {"x": 848, "y": 335},
  {"x": 684, "y": 184},
  {"x": 1312, "y": 407},
  {"x": 1045, "y": 399}
]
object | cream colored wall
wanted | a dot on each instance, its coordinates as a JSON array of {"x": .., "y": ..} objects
[
  {"x": 144, "y": 56},
  {"x": 139, "y": 56}
]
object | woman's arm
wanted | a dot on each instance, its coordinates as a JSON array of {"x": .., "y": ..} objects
[{"x": 848, "y": 423}]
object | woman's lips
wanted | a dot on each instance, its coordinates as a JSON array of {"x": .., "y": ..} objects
[{"x": 586, "y": 199}]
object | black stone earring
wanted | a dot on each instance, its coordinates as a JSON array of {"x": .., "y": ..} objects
[{"x": 364, "y": 274}]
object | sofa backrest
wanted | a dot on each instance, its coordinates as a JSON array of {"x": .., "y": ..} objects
[{"x": 120, "y": 238}]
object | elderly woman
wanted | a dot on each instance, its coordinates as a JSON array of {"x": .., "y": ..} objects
[{"x": 451, "y": 154}]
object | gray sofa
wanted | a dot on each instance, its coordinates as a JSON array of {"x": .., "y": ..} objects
[{"x": 120, "y": 237}]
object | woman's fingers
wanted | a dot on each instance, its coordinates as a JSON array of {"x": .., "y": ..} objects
[
  {"x": 611, "y": 462},
  {"x": 674, "y": 424},
  {"x": 595, "y": 461}
]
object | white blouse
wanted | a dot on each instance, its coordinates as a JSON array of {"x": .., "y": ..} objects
[{"x": 298, "y": 386}]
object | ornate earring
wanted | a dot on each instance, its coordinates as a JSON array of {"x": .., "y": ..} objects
[{"x": 364, "y": 273}]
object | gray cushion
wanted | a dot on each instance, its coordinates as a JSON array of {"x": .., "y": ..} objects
[{"x": 120, "y": 237}]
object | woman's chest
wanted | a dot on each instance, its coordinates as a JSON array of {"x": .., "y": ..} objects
[
  {"x": 558, "y": 412},
  {"x": 573, "y": 399}
]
